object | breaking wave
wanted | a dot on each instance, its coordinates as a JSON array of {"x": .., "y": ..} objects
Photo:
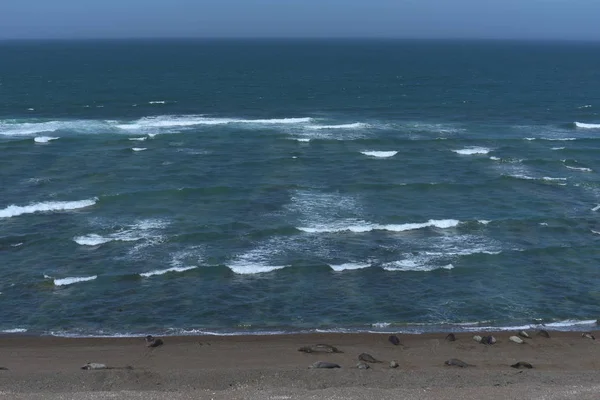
[{"x": 13, "y": 210}]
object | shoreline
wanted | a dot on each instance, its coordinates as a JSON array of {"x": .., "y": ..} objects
[{"x": 270, "y": 366}]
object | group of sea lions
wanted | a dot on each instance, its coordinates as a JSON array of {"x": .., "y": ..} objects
[
  {"x": 151, "y": 342},
  {"x": 365, "y": 358}
]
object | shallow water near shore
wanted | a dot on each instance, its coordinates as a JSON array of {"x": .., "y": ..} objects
[{"x": 194, "y": 187}]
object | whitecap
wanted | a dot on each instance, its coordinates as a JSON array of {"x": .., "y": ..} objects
[
  {"x": 596, "y": 232},
  {"x": 587, "y": 126},
  {"x": 14, "y": 330},
  {"x": 570, "y": 323},
  {"x": 139, "y": 138},
  {"x": 379, "y": 154},
  {"x": 348, "y": 266},
  {"x": 139, "y": 148},
  {"x": 303, "y": 139},
  {"x": 157, "y": 102},
  {"x": 584, "y": 169},
  {"x": 13, "y": 210},
  {"x": 472, "y": 150},
  {"x": 174, "y": 121},
  {"x": 246, "y": 268},
  {"x": 362, "y": 226},
  {"x": 557, "y": 148},
  {"x": 72, "y": 280},
  {"x": 137, "y": 231},
  {"x": 380, "y": 324},
  {"x": 164, "y": 271},
  {"x": 44, "y": 139},
  {"x": 355, "y": 125},
  {"x": 414, "y": 265},
  {"x": 596, "y": 208},
  {"x": 91, "y": 240},
  {"x": 493, "y": 158}
]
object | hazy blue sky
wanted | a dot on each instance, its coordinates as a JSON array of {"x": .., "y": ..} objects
[{"x": 531, "y": 19}]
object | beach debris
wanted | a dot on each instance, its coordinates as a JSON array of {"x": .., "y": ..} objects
[
  {"x": 366, "y": 357},
  {"x": 588, "y": 335},
  {"x": 477, "y": 338},
  {"x": 151, "y": 341},
  {"x": 524, "y": 334},
  {"x": 488, "y": 340},
  {"x": 320, "y": 348},
  {"x": 522, "y": 364},
  {"x": 92, "y": 365},
  {"x": 450, "y": 337},
  {"x": 543, "y": 333},
  {"x": 516, "y": 339},
  {"x": 324, "y": 364},
  {"x": 457, "y": 363},
  {"x": 394, "y": 364},
  {"x": 362, "y": 365},
  {"x": 394, "y": 340}
]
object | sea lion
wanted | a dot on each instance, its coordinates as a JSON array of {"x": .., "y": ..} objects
[
  {"x": 3, "y": 369},
  {"x": 450, "y": 337},
  {"x": 324, "y": 364},
  {"x": 367, "y": 358},
  {"x": 524, "y": 334},
  {"x": 94, "y": 366},
  {"x": 488, "y": 340},
  {"x": 522, "y": 364},
  {"x": 394, "y": 364},
  {"x": 458, "y": 363},
  {"x": 543, "y": 333},
  {"x": 588, "y": 335},
  {"x": 319, "y": 348},
  {"x": 362, "y": 365},
  {"x": 516, "y": 339},
  {"x": 394, "y": 340},
  {"x": 151, "y": 341},
  {"x": 477, "y": 338}
]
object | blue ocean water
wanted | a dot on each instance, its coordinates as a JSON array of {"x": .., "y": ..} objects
[{"x": 284, "y": 186}]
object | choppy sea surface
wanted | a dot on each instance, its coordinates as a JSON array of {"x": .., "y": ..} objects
[{"x": 199, "y": 187}]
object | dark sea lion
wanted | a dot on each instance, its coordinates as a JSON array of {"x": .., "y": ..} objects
[
  {"x": 320, "y": 348},
  {"x": 324, "y": 364},
  {"x": 450, "y": 337},
  {"x": 151, "y": 341},
  {"x": 488, "y": 340},
  {"x": 362, "y": 365},
  {"x": 458, "y": 363},
  {"x": 543, "y": 333},
  {"x": 522, "y": 364},
  {"x": 394, "y": 340},
  {"x": 3, "y": 369},
  {"x": 588, "y": 335},
  {"x": 367, "y": 358}
]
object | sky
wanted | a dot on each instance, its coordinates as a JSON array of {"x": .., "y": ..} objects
[{"x": 477, "y": 19}]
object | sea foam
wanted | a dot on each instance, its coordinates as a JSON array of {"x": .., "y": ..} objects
[
  {"x": 472, "y": 150},
  {"x": 348, "y": 266},
  {"x": 72, "y": 280},
  {"x": 13, "y": 210},
  {"x": 355, "y": 125},
  {"x": 587, "y": 126},
  {"x": 361, "y": 226},
  {"x": 164, "y": 271},
  {"x": 379, "y": 154},
  {"x": 44, "y": 139}
]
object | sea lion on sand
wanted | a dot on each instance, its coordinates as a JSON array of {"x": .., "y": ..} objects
[
  {"x": 488, "y": 340},
  {"x": 151, "y": 341},
  {"x": 394, "y": 364},
  {"x": 522, "y": 364},
  {"x": 450, "y": 337},
  {"x": 524, "y": 334},
  {"x": 394, "y": 340},
  {"x": 516, "y": 339},
  {"x": 477, "y": 338},
  {"x": 458, "y": 363},
  {"x": 543, "y": 333},
  {"x": 588, "y": 335},
  {"x": 3, "y": 369},
  {"x": 94, "y": 366},
  {"x": 324, "y": 364},
  {"x": 320, "y": 348},
  {"x": 362, "y": 365},
  {"x": 367, "y": 358}
]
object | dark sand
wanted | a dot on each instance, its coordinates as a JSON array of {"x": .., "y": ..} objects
[{"x": 270, "y": 367}]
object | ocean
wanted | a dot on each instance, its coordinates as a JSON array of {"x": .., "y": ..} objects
[{"x": 275, "y": 186}]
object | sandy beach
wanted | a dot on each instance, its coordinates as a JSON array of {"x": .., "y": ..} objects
[{"x": 271, "y": 367}]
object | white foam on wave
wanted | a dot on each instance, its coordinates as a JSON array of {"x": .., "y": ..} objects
[
  {"x": 13, "y": 210},
  {"x": 557, "y": 148},
  {"x": 596, "y": 232},
  {"x": 550, "y": 179},
  {"x": 348, "y": 266},
  {"x": 165, "y": 271},
  {"x": 14, "y": 330},
  {"x": 139, "y": 148},
  {"x": 587, "y": 126},
  {"x": 362, "y": 226},
  {"x": 493, "y": 158},
  {"x": 18, "y": 128},
  {"x": 596, "y": 208},
  {"x": 245, "y": 268},
  {"x": 585, "y": 106},
  {"x": 303, "y": 139},
  {"x": 355, "y": 125},
  {"x": 157, "y": 102},
  {"x": 412, "y": 265},
  {"x": 72, "y": 280},
  {"x": 567, "y": 139},
  {"x": 44, "y": 139},
  {"x": 584, "y": 169},
  {"x": 379, "y": 154},
  {"x": 472, "y": 150},
  {"x": 264, "y": 258},
  {"x": 174, "y": 121},
  {"x": 139, "y": 138},
  {"x": 138, "y": 231},
  {"x": 570, "y": 323}
]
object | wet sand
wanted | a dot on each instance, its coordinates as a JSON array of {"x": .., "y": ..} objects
[{"x": 271, "y": 367}]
